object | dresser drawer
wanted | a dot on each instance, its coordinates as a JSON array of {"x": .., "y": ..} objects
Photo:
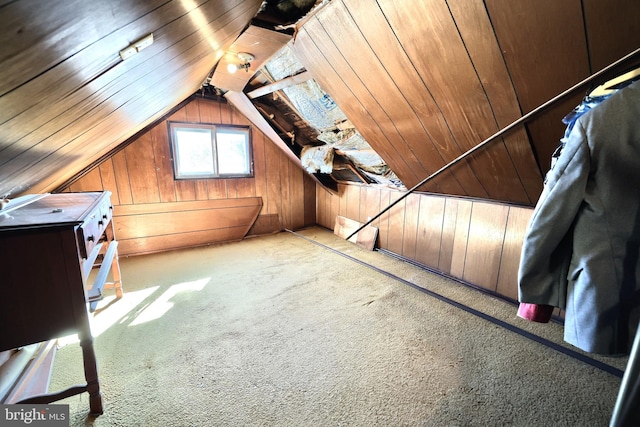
[{"x": 91, "y": 230}]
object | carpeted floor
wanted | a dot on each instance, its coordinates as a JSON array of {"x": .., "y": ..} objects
[{"x": 279, "y": 331}]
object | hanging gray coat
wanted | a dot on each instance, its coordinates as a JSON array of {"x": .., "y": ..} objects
[{"x": 582, "y": 247}]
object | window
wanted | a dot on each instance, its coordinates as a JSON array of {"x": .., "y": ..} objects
[{"x": 210, "y": 151}]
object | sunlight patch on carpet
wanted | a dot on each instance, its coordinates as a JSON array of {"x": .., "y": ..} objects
[{"x": 163, "y": 304}]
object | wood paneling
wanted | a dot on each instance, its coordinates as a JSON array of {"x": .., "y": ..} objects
[
  {"x": 484, "y": 244},
  {"x": 553, "y": 36},
  {"x": 93, "y": 179},
  {"x": 426, "y": 80},
  {"x": 430, "y": 226},
  {"x": 359, "y": 23},
  {"x": 142, "y": 176},
  {"x": 331, "y": 69},
  {"x": 461, "y": 211},
  {"x": 62, "y": 108},
  {"x": 410, "y": 232},
  {"x": 164, "y": 169},
  {"x": 448, "y": 234},
  {"x": 259, "y": 166},
  {"x": 370, "y": 205},
  {"x": 422, "y": 80},
  {"x": 476, "y": 241},
  {"x": 121, "y": 170},
  {"x": 437, "y": 102},
  {"x": 144, "y": 183},
  {"x": 352, "y": 207},
  {"x": 511, "y": 249},
  {"x": 383, "y": 220},
  {"x": 309, "y": 204},
  {"x": 285, "y": 193},
  {"x": 482, "y": 45},
  {"x": 162, "y": 243},
  {"x": 366, "y": 238},
  {"x": 470, "y": 114},
  {"x": 395, "y": 223},
  {"x": 150, "y": 227},
  {"x": 611, "y": 20}
]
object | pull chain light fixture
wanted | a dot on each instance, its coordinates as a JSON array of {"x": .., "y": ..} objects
[{"x": 245, "y": 62}]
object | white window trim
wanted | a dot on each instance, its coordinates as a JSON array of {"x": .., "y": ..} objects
[{"x": 213, "y": 128}]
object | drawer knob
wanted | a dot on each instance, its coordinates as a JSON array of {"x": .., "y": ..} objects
[
  {"x": 90, "y": 239},
  {"x": 100, "y": 222},
  {"x": 104, "y": 216}
]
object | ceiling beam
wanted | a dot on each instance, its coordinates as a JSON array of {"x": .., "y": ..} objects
[
  {"x": 240, "y": 101},
  {"x": 280, "y": 84}
]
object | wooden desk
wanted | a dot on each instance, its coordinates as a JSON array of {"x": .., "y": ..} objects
[{"x": 48, "y": 247}]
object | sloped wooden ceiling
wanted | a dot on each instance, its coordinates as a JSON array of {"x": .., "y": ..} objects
[
  {"x": 426, "y": 80},
  {"x": 67, "y": 97},
  {"x": 422, "y": 80}
]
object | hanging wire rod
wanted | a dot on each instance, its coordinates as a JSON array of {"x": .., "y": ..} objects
[{"x": 501, "y": 132}]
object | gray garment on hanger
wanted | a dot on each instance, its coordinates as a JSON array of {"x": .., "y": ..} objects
[{"x": 582, "y": 248}]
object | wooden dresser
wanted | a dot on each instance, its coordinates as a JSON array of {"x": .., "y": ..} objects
[{"x": 49, "y": 244}]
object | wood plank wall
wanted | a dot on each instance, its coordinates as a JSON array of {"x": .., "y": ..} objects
[
  {"x": 66, "y": 97},
  {"x": 473, "y": 240},
  {"x": 426, "y": 80},
  {"x": 142, "y": 174},
  {"x": 422, "y": 89}
]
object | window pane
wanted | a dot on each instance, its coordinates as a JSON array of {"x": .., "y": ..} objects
[
  {"x": 233, "y": 152},
  {"x": 194, "y": 151}
]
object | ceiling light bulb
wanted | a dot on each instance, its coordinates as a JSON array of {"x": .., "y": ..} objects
[
  {"x": 232, "y": 68},
  {"x": 245, "y": 57}
]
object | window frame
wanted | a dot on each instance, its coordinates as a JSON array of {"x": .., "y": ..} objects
[{"x": 213, "y": 128}]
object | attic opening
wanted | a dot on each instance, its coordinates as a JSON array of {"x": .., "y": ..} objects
[
  {"x": 281, "y": 15},
  {"x": 315, "y": 127}
]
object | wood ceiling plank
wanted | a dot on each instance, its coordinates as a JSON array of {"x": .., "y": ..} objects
[
  {"x": 102, "y": 126},
  {"x": 36, "y": 37},
  {"x": 70, "y": 98},
  {"x": 552, "y": 34},
  {"x": 62, "y": 162},
  {"x": 439, "y": 147},
  {"x": 544, "y": 46},
  {"x": 607, "y": 21},
  {"x": 331, "y": 70},
  {"x": 355, "y": 43},
  {"x": 443, "y": 63},
  {"x": 479, "y": 38},
  {"x": 130, "y": 110},
  {"x": 262, "y": 39}
]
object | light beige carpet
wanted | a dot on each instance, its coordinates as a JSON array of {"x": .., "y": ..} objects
[{"x": 277, "y": 331}]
